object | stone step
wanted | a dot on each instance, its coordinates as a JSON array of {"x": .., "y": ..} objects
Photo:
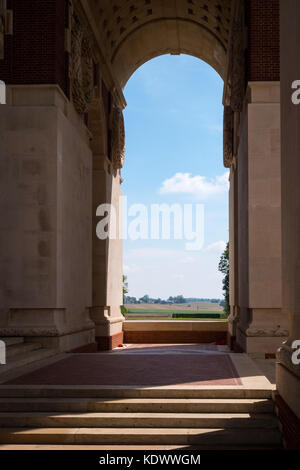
[
  {"x": 139, "y": 420},
  {"x": 133, "y": 447},
  {"x": 137, "y": 405},
  {"x": 80, "y": 391},
  {"x": 22, "y": 360},
  {"x": 216, "y": 438},
  {"x": 11, "y": 341},
  {"x": 21, "y": 349}
]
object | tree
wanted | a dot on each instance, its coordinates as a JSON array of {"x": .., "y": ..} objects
[
  {"x": 224, "y": 269},
  {"x": 179, "y": 299},
  {"x": 125, "y": 291},
  {"x": 125, "y": 287}
]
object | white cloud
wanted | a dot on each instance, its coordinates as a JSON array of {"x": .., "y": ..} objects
[
  {"x": 130, "y": 269},
  {"x": 199, "y": 186},
  {"x": 187, "y": 260},
  {"x": 140, "y": 253},
  {"x": 217, "y": 247}
]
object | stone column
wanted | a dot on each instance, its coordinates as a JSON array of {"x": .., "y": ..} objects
[
  {"x": 288, "y": 373},
  {"x": 107, "y": 254},
  {"x": 107, "y": 264}
]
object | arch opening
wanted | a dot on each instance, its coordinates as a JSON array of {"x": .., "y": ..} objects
[{"x": 174, "y": 109}]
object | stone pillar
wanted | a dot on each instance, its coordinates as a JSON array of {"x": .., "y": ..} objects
[
  {"x": 46, "y": 220},
  {"x": 262, "y": 326},
  {"x": 107, "y": 254},
  {"x": 233, "y": 256},
  {"x": 46, "y": 181},
  {"x": 107, "y": 264},
  {"x": 288, "y": 373}
]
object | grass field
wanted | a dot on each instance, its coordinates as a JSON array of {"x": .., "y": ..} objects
[
  {"x": 200, "y": 307},
  {"x": 150, "y": 310},
  {"x": 165, "y": 312},
  {"x": 175, "y": 319}
]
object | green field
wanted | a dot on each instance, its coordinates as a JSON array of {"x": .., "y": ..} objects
[
  {"x": 156, "y": 310},
  {"x": 182, "y": 314},
  {"x": 175, "y": 319}
]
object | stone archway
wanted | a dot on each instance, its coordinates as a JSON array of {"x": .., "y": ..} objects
[
  {"x": 135, "y": 32},
  {"x": 74, "y": 90},
  {"x": 55, "y": 149},
  {"x": 219, "y": 33}
]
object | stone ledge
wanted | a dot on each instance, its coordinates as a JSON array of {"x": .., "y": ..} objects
[
  {"x": 265, "y": 92},
  {"x": 46, "y": 322},
  {"x": 284, "y": 357}
]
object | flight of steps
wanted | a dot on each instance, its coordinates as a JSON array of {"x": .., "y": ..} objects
[
  {"x": 139, "y": 418},
  {"x": 20, "y": 353}
]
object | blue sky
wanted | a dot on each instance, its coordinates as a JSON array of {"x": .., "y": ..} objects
[{"x": 173, "y": 120}]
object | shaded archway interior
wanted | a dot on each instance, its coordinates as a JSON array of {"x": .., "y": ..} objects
[{"x": 137, "y": 31}]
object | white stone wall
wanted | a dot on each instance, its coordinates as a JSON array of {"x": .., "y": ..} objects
[{"x": 46, "y": 208}]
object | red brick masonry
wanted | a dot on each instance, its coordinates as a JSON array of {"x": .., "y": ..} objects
[
  {"x": 263, "y": 57},
  {"x": 107, "y": 343},
  {"x": 171, "y": 337},
  {"x": 35, "y": 53},
  {"x": 290, "y": 424}
]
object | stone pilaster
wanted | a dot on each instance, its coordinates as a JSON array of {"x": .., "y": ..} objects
[
  {"x": 262, "y": 327},
  {"x": 233, "y": 256},
  {"x": 288, "y": 373},
  {"x": 108, "y": 140}
]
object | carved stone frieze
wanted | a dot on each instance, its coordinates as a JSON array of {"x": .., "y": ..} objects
[
  {"x": 237, "y": 59},
  {"x": 267, "y": 332},
  {"x": 81, "y": 66},
  {"x": 117, "y": 138},
  {"x": 228, "y": 129}
]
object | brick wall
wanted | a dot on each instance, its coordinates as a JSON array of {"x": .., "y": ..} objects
[
  {"x": 35, "y": 53},
  {"x": 263, "y": 58},
  {"x": 107, "y": 343},
  {"x": 173, "y": 337}
]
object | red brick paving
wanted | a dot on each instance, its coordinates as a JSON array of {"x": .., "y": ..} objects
[
  {"x": 174, "y": 347},
  {"x": 136, "y": 369}
]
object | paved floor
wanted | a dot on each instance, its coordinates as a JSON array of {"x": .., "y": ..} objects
[
  {"x": 268, "y": 368},
  {"x": 136, "y": 370},
  {"x": 148, "y": 365},
  {"x": 211, "y": 348}
]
